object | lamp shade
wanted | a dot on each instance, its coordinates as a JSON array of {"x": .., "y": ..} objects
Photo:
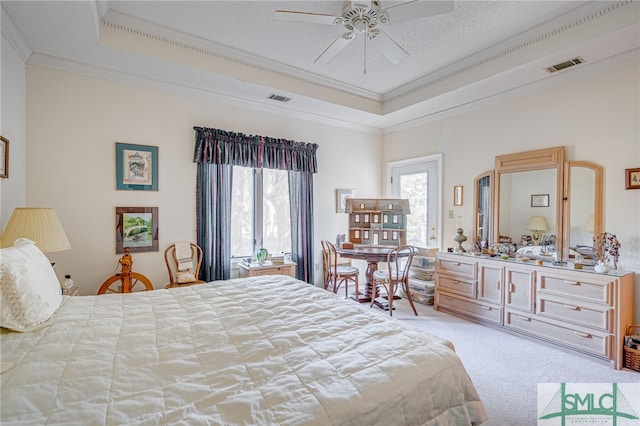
[
  {"x": 40, "y": 225},
  {"x": 537, "y": 223}
]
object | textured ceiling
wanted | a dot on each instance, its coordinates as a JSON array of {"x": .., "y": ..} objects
[{"x": 239, "y": 49}]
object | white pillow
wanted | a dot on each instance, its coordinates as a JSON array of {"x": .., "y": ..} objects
[{"x": 29, "y": 289}]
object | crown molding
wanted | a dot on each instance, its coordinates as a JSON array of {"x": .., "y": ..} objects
[
  {"x": 13, "y": 36},
  {"x": 147, "y": 82}
]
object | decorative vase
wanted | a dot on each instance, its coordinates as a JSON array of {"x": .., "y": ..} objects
[
  {"x": 261, "y": 255},
  {"x": 600, "y": 267}
]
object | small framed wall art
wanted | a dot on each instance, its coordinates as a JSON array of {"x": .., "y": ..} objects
[
  {"x": 341, "y": 198},
  {"x": 540, "y": 200},
  {"x": 4, "y": 157},
  {"x": 632, "y": 178},
  {"x": 136, "y": 167},
  {"x": 457, "y": 195},
  {"x": 137, "y": 229}
]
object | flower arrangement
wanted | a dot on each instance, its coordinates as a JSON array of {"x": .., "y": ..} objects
[{"x": 607, "y": 249}]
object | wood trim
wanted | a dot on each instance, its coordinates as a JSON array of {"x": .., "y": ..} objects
[{"x": 546, "y": 158}]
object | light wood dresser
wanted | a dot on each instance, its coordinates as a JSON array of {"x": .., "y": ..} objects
[{"x": 578, "y": 309}]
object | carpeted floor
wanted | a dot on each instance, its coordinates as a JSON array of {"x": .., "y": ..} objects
[{"x": 506, "y": 368}]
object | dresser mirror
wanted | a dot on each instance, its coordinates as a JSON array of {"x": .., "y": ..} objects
[
  {"x": 583, "y": 214},
  {"x": 482, "y": 200},
  {"x": 528, "y": 200},
  {"x": 540, "y": 187}
]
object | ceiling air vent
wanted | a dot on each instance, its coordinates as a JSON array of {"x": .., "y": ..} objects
[
  {"x": 563, "y": 65},
  {"x": 279, "y": 98}
]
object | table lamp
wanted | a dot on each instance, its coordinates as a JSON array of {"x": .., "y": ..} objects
[
  {"x": 40, "y": 225},
  {"x": 537, "y": 224}
]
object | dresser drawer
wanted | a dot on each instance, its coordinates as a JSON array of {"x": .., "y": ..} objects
[
  {"x": 581, "y": 286},
  {"x": 460, "y": 267},
  {"x": 591, "y": 341},
  {"x": 575, "y": 311},
  {"x": 467, "y": 307},
  {"x": 465, "y": 287}
]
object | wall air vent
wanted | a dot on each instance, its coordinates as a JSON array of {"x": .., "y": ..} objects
[
  {"x": 279, "y": 98},
  {"x": 563, "y": 65}
]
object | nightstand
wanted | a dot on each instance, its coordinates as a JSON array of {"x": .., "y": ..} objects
[{"x": 254, "y": 270}]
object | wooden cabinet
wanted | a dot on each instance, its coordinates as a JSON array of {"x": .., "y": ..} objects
[
  {"x": 577, "y": 309},
  {"x": 288, "y": 268},
  {"x": 377, "y": 221}
]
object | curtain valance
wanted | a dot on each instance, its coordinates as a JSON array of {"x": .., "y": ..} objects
[{"x": 215, "y": 146}]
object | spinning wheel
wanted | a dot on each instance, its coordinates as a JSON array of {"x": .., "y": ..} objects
[{"x": 125, "y": 281}]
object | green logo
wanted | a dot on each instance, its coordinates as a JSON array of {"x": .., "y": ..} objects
[{"x": 586, "y": 406}]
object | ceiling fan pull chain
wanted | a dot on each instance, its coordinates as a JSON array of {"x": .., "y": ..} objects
[{"x": 364, "y": 65}]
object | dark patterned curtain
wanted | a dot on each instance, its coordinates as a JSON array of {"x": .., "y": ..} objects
[
  {"x": 217, "y": 150},
  {"x": 213, "y": 219}
]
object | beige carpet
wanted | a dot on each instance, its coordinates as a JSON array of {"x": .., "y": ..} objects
[{"x": 506, "y": 368}]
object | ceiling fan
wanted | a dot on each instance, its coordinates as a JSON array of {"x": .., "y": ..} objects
[{"x": 364, "y": 17}]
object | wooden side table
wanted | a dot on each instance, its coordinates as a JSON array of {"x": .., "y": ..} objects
[{"x": 254, "y": 270}]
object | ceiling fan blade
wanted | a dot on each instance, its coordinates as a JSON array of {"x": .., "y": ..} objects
[
  {"x": 385, "y": 45},
  {"x": 314, "y": 18},
  {"x": 416, "y": 9},
  {"x": 335, "y": 47}
]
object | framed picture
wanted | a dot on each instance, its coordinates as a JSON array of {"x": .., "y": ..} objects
[
  {"x": 4, "y": 157},
  {"x": 457, "y": 195},
  {"x": 137, "y": 229},
  {"x": 341, "y": 198},
  {"x": 136, "y": 167},
  {"x": 632, "y": 178},
  {"x": 540, "y": 200}
]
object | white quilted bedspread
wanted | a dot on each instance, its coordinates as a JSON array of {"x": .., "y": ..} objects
[{"x": 267, "y": 350}]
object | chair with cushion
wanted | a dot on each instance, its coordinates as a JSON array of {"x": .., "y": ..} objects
[
  {"x": 337, "y": 271},
  {"x": 183, "y": 261},
  {"x": 396, "y": 275}
]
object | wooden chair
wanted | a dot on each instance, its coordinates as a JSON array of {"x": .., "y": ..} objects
[
  {"x": 396, "y": 275},
  {"x": 183, "y": 261},
  {"x": 337, "y": 272}
]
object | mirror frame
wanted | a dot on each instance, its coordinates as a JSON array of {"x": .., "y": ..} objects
[
  {"x": 476, "y": 198},
  {"x": 547, "y": 158},
  {"x": 598, "y": 197}
]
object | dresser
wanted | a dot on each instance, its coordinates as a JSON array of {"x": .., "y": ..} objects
[{"x": 578, "y": 309}]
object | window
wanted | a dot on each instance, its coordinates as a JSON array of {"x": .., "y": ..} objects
[{"x": 260, "y": 211}]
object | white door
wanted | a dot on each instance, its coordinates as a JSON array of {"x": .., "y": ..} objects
[{"x": 419, "y": 181}]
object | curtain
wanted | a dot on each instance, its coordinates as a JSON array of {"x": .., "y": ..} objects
[
  {"x": 301, "y": 208},
  {"x": 213, "y": 223},
  {"x": 216, "y": 151}
]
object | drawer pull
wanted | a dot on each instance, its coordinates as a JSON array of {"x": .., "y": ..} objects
[
  {"x": 573, "y": 308},
  {"x": 571, "y": 282},
  {"x": 498, "y": 285},
  {"x": 524, "y": 318},
  {"x": 486, "y": 307},
  {"x": 585, "y": 335}
]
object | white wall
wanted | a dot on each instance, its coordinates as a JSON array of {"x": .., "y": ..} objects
[
  {"x": 74, "y": 123},
  {"x": 12, "y": 127},
  {"x": 596, "y": 118}
]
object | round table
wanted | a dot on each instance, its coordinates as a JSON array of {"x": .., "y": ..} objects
[{"x": 372, "y": 255}]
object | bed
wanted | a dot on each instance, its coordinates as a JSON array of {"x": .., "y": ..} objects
[{"x": 260, "y": 350}]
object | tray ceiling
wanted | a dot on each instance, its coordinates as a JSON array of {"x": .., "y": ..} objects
[{"x": 238, "y": 51}]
